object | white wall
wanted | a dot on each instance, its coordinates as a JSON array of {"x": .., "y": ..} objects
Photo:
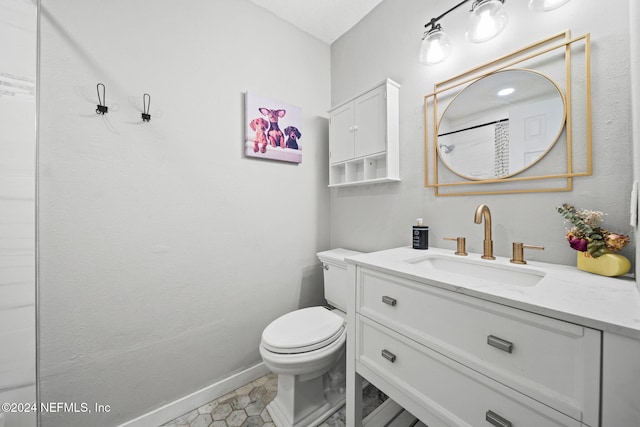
[
  {"x": 164, "y": 252},
  {"x": 17, "y": 207},
  {"x": 634, "y": 16},
  {"x": 386, "y": 44}
]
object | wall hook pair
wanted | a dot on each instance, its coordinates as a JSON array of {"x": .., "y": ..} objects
[{"x": 102, "y": 108}]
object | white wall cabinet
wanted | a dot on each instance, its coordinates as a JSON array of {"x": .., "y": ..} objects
[{"x": 364, "y": 137}]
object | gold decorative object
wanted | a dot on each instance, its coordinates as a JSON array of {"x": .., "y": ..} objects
[{"x": 549, "y": 170}]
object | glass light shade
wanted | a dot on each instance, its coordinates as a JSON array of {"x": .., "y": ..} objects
[
  {"x": 436, "y": 46},
  {"x": 488, "y": 19},
  {"x": 545, "y": 5}
]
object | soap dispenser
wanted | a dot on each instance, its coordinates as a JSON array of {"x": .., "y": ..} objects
[{"x": 420, "y": 235}]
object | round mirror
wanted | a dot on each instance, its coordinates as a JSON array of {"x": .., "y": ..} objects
[{"x": 501, "y": 124}]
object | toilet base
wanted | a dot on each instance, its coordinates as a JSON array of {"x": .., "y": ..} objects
[{"x": 309, "y": 406}]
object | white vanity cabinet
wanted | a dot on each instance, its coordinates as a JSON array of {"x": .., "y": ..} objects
[
  {"x": 550, "y": 361},
  {"x": 364, "y": 137},
  {"x": 473, "y": 362}
]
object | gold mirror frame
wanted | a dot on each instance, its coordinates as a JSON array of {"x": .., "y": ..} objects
[{"x": 514, "y": 184}]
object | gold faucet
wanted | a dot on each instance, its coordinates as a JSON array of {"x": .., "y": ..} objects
[
  {"x": 483, "y": 211},
  {"x": 518, "y": 252}
]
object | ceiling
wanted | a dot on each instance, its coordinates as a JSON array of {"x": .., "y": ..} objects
[{"x": 326, "y": 20}]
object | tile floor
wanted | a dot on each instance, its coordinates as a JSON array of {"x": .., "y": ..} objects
[{"x": 246, "y": 407}]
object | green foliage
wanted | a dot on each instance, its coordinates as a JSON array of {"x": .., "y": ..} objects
[{"x": 596, "y": 246}]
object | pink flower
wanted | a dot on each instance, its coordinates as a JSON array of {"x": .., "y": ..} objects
[{"x": 577, "y": 243}]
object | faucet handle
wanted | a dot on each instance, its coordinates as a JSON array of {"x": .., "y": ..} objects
[
  {"x": 461, "y": 248},
  {"x": 518, "y": 252}
]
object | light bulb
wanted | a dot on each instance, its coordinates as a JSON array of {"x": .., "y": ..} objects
[
  {"x": 436, "y": 46},
  {"x": 488, "y": 19}
]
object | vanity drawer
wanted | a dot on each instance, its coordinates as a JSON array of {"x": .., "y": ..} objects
[
  {"x": 446, "y": 393},
  {"x": 554, "y": 362}
]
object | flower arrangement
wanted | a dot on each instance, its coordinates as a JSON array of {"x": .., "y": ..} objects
[{"x": 587, "y": 234}]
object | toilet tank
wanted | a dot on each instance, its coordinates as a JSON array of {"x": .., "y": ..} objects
[{"x": 335, "y": 276}]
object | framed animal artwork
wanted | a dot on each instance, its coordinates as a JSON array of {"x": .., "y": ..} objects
[{"x": 273, "y": 129}]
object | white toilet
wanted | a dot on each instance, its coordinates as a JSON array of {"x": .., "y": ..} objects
[{"x": 306, "y": 348}]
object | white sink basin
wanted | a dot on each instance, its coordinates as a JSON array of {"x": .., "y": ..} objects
[{"x": 485, "y": 270}]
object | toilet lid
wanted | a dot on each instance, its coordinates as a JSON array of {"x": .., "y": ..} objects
[{"x": 302, "y": 330}]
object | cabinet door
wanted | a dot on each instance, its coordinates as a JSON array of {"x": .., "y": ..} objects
[
  {"x": 341, "y": 132},
  {"x": 371, "y": 122},
  {"x": 620, "y": 385}
]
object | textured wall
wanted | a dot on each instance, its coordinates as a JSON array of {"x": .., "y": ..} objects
[
  {"x": 386, "y": 44},
  {"x": 164, "y": 252}
]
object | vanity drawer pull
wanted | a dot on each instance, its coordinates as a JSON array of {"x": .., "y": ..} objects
[
  {"x": 389, "y": 356},
  {"x": 497, "y": 420},
  {"x": 388, "y": 300},
  {"x": 499, "y": 343}
]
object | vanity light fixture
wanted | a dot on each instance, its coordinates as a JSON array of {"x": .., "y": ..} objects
[
  {"x": 436, "y": 46},
  {"x": 545, "y": 5},
  {"x": 488, "y": 19}
]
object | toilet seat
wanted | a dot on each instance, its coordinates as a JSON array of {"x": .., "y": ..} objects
[{"x": 302, "y": 331}]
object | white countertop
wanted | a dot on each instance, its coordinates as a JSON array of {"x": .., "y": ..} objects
[{"x": 566, "y": 293}]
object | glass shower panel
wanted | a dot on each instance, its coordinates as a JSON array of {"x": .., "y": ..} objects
[{"x": 18, "y": 47}]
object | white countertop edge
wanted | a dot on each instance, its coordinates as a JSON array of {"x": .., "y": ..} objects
[{"x": 566, "y": 293}]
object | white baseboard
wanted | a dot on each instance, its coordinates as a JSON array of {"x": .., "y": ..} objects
[{"x": 201, "y": 397}]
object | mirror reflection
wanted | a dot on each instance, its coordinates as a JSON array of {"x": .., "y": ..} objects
[{"x": 501, "y": 124}]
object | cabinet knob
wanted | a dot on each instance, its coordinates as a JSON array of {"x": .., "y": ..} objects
[{"x": 496, "y": 420}]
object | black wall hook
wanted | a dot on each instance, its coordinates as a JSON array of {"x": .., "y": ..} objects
[
  {"x": 146, "y": 104},
  {"x": 101, "y": 100}
]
